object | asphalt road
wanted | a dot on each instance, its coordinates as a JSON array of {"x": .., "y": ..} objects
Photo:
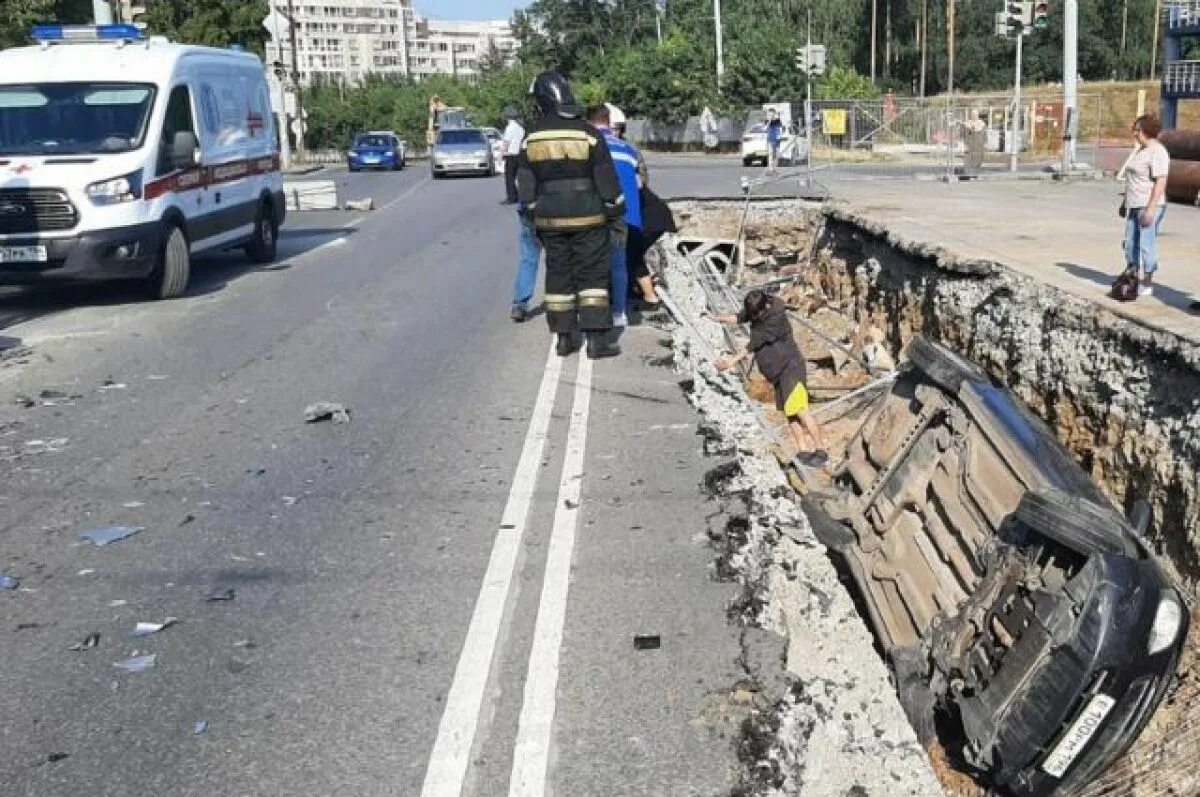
[{"x": 426, "y": 600}]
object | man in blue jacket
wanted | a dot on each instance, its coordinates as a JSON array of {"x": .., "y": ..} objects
[{"x": 626, "y": 160}]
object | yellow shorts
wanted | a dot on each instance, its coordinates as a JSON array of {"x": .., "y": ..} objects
[{"x": 797, "y": 402}]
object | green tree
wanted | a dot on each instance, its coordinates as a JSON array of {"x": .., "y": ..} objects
[
  {"x": 19, "y": 16},
  {"x": 218, "y": 23}
]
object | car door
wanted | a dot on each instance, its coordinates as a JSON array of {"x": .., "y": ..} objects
[
  {"x": 173, "y": 187},
  {"x": 228, "y": 119}
]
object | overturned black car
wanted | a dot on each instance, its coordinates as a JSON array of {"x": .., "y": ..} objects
[{"x": 1022, "y": 615}]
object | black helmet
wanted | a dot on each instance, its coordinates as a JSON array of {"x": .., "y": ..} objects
[{"x": 553, "y": 95}]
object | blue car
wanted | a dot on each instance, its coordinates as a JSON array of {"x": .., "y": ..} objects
[{"x": 377, "y": 150}]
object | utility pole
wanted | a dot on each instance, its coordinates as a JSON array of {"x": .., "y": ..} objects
[
  {"x": 296, "y": 79},
  {"x": 924, "y": 41},
  {"x": 874, "y": 34},
  {"x": 950, "y": 51},
  {"x": 1070, "y": 77},
  {"x": 720, "y": 44},
  {"x": 808, "y": 72},
  {"x": 1124, "y": 34},
  {"x": 1154, "y": 44},
  {"x": 1016, "y": 116},
  {"x": 102, "y": 13}
]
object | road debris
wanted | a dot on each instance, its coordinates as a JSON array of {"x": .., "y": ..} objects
[
  {"x": 360, "y": 204},
  {"x": 199, "y": 727},
  {"x": 111, "y": 384},
  {"x": 290, "y": 500},
  {"x": 9, "y": 582},
  {"x": 136, "y": 664},
  {"x": 146, "y": 629},
  {"x": 90, "y": 641},
  {"x": 109, "y": 534},
  {"x": 326, "y": 411},
  {"x": 647, "y": 641},
  {"x": 54, "y": 758},
  {"x": 217, "y": 596}
]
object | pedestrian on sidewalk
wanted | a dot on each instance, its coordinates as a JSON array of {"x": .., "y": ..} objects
[
  {"x": 625, "y": 159},
  {"x": 567, "y": 181},
  {"x": 1144, "y": 202},
  {"x": 510, "y": 145},
  {"x": 639, "y": 239},
  {"x": 774, "y": 137},
  {"x": 774, "y": 349}
]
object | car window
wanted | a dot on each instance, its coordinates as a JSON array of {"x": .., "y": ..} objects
[
  {"x": 756, "y": 129},
  {"x": 178, "y": 120},
  {"x": 373, "y": 141},
  {"x": 461, "y": 137}
]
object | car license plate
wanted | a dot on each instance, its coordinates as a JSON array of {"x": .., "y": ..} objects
[
  {"x": 371, "y": 159},
  {"x": 1078, "y": 735},
  {"x": 23, "y": 254}
]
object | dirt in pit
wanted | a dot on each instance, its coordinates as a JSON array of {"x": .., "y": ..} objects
[{"x": 886, "y": 301}]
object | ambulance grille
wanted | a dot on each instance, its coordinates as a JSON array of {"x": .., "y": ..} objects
[{"x": 35, "y": 210}]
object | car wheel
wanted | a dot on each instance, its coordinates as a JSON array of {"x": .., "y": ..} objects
[
  {"x": 747, "y": 162},
  {"x": 352, "y": 169},
  {"x": 265, "y": 243},
  {"x": 174, "y": 268},
  {"x": 946, "y": 368},
  {"x": 1074, "y": 521}
]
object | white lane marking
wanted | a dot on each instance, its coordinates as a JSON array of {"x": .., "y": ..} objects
[
  {"x": 531, "y": 757},
  {"x": 456, "y": 734}
]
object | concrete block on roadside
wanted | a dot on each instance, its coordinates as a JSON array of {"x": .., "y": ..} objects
[{"x": 311, "y": 195}]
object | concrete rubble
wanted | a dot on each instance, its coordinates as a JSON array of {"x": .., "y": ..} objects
[{"x": 839, "y": 730}]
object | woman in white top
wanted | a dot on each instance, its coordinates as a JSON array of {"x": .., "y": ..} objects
[{"x": 1145, "y": 201}]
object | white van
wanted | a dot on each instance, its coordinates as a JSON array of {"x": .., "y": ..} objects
[{"x": 122, "y": 156}]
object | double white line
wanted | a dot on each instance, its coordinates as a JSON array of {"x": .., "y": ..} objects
[{"x": 451, "y": 755}]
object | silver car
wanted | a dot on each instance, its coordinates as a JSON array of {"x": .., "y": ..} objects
[{"x": 462, "y": 151}]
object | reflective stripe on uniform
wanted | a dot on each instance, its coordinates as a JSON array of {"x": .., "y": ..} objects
[
  {"x": 570, "y": 222},
  {"x": 593, "y": 297},
  {"x": 557, "y": 145},
  {"x": 559, "y": 301}
]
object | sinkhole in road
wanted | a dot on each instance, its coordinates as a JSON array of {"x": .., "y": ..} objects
[{"x": 1120, "y": 399}]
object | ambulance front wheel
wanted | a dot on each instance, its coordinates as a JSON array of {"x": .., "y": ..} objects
[{"x": 174, "y": 268}]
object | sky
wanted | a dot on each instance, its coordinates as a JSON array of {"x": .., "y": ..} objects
[{"x": 469, "y": 9}]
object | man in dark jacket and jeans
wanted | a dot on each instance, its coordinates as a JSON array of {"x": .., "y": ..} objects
[
  {"x": 778, "y": 358},
  {"x": 566, "y": 179}
]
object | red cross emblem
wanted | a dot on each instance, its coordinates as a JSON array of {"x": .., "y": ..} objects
[{"x": 21, "y": 168}]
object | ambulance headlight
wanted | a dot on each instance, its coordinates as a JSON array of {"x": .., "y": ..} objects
[
  {"x": 116, "y": 190},
  {"x": 1167, "y": 622}
]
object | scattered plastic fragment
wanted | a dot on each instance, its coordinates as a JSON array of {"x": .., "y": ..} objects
[
  {"x": 9, "y": 582},
  {"x": 109, "y": 534},
  {"x": 188, "y": 518},
  {"x": 199, "y": 727},
  {"x": 54, "y": 758},
  {"x": 248, "y": 644},
  {"x": 28, "y": 626},
  {"x": 133, "y": 504},
  {"x": 87, "y": 571},
  {"x": 226, "y": 594},
  {"x": 360, "y": 204},
  {"x": 109, "y": 384},
  {"x": 137, "y": 663},
  {"x": 290, "y": 500},
  {"x": 90, "y": 641},
  {"x": 647, "y": 641},
  {"x": 326, "y": 411},
  {"x": 118, "y": 602},
  {"x": 146, "y": 629}
]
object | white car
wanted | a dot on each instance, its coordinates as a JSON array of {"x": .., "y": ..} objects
[
  {"x": 792, "y": 149},
  {"x": 497, "y": 141}
]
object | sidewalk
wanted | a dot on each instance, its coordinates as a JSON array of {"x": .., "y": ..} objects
[{"x": 1067, "y": 235}]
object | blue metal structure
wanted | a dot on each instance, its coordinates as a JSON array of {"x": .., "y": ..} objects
[{"x": 1180, "y": 78}]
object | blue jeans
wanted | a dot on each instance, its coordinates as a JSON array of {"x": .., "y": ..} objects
[
  {"x": 1141, "y": 243},
  {"x": 527, "y": 267},
  {"x": 618, "y": 288}
]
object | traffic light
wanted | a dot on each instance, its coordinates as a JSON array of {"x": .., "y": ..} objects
[
  {"x": 1041, "y": 15},
  {"x": 811, "y": 59},
  {"x": 802, "y": 59}
]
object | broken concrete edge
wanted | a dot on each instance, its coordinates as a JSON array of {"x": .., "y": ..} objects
[
  {"x": 839, "y": 729},
  {"x": 1091, "y": 315}
]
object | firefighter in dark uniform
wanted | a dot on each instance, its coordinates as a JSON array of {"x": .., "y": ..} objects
[{"x": 566, "y": 180}]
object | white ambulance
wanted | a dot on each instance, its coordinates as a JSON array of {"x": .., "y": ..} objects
[{"x": 122, "y": 156}]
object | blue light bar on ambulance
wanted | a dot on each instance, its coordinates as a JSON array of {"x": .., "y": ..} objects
[{"x": 87, "y": 33}]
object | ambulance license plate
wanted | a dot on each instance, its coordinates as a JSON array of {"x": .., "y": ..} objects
[
  {"x": 23, "y": 254},
  {"x": 1078, "y": 735}
]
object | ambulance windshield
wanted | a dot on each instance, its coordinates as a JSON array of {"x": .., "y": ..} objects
[{"x": 73, "y": 118}]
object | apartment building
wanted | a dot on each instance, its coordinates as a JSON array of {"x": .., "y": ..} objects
[{"x": 346, "y": 40}]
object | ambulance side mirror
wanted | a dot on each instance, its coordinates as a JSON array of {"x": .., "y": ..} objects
[{"x": 185, "y": 150}]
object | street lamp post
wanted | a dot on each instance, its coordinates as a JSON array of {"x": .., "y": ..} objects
[
  {"x": 720, "y": 44},
  {"x": 1070, "y": 78}
]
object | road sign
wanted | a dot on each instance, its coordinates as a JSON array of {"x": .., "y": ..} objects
[{"x": 277, "y": 24}]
